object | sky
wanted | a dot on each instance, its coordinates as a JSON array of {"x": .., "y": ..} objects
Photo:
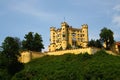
[{"x": 18, "y": 17}]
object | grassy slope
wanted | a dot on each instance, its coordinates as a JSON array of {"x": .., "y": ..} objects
[{"x": 100, "y": 66}]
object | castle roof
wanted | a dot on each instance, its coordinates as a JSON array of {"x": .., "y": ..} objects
[{"x": 118, "y": 43}]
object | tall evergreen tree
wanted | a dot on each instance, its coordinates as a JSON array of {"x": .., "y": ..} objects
[
  {"x": 33, "y": 42},
  {"x": 38, "y": 42},
  {"x": 28, "y": 42}
]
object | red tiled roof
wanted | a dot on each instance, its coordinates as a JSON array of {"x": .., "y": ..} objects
[{"x": 118, "y": 43}]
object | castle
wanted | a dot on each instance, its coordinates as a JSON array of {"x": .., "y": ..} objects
[
  {"x": 68, "y": 37},
  {"x": 68, "y": 40}
]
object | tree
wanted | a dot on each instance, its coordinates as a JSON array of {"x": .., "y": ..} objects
[
  {"x": 106, "y": 36},
  {"x": 91, "y": 43},
  {"x": 28, "y": 42},
  {"x": 11, "y": 48},
  {"x": 9, "y": 57},
  {"x": 18, "y": 41},
  {"x": 33, "y": 42},
  {"x": 98, "y": 44},
  {"x": 95, "y": 43},
  {"x": 38, "y": 42}
]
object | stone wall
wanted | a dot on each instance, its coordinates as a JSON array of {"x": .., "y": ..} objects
[
  {"x": 27, "y": 56},
  {"x": 75, "y": 51}
]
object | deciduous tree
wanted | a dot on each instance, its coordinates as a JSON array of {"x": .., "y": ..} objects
[
  {"x": 9, "y": 58},
  {"x": 106, "y": 35},
  {"x": 95, "y": 43}
]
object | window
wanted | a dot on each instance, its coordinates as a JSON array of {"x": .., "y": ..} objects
[
  {"x": 83, "y": 35},
  {"x": 53, "y": 36},
  {"x": 53, "y": 41},
  {"x": 63, "y": 35},
  {"x": 83, "y": 39},
  {"x": 73, "y": 34},
  {"x": 79, "y": 39}
]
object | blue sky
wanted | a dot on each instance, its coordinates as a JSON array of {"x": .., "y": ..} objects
[{"x": 18, "y": 17}]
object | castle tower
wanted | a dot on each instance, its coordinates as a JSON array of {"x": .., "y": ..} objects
[
  {"x": 52, "y": 35},
  {"x": 52, "y": 46},
  {"x": 64, "y": 32},
  {"x": 85, "y": 34}
]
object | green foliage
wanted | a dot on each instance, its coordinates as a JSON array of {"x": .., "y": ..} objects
[
  {"x": 33, "y": 42},
  {"x": 59, "y": 49},
  {"x": 94, "y": 43},
  {"x": 100, "y": 66},
  {"x": 106, "y": 36},
  {"x": 10, "y": 49},
  {"x": 19, "y": 42},
  {"x": 38, "y": 42},
  {"x": 9, "y": 64},
  {"x": 28, "y": 43},
  {"x": 98, "y": 44},
  {"x": 69, "y": 46},
  {"x": 91, "y": 43}
]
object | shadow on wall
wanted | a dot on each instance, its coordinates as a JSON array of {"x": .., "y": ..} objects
[{"x": 27, "y": 56}]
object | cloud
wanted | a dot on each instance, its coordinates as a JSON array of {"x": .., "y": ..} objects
[
  {"x": 117, "y": 36},
  {"x": 117, "y": 7},
  {"x": 116, "y": 20},
  {"x": 116, "y": 16}
]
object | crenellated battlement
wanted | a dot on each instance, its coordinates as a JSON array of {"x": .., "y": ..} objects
[
  {"x": 52, "y": 28},
  {"x": 85, "y": 26},
  {"x": 64, "y": 24}
]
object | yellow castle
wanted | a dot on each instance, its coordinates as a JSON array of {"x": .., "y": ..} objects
[{"x": 68, "y": 37}]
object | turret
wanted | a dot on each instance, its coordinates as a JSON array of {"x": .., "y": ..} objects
[
  {"x": 52, "y": 28},
  {"x": 52, "y": 34},
  {"x": 85, "y": 33},
  {"x": 64, "y": 32},
  {"x": 64, "y": 24}
]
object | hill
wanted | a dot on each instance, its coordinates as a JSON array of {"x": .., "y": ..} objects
[{"x": 100, "y": 66}]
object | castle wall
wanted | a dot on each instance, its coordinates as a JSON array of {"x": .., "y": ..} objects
[
  {"x": 37, "y": 54},
  {"x": 27, "y": 56},
  {"x": 75, "y": 51}
]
